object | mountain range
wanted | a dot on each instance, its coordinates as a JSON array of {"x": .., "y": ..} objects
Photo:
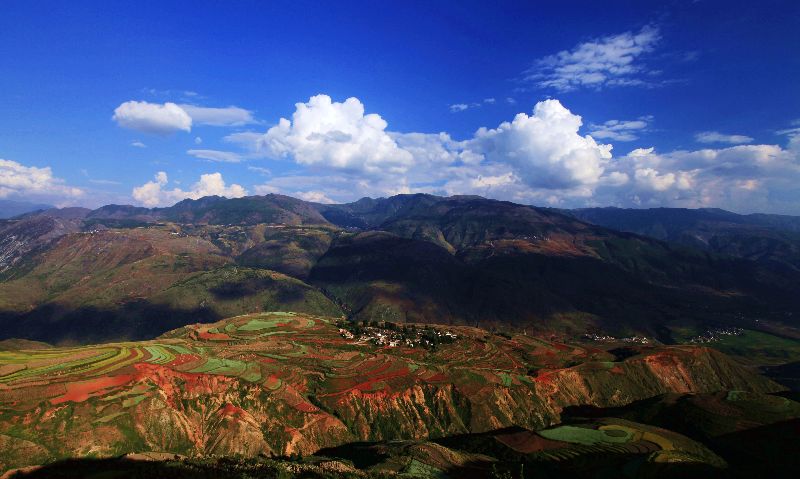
[
  {"x": 124, "y": 272},
  {"x": 759, "y": 237}
]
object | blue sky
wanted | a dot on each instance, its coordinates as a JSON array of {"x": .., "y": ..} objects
[{"x": 568, "y": 104}]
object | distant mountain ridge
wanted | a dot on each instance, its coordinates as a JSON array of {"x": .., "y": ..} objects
[
  {"x": 759, "y": 237},
  {"x": 219, "y": 210},
  {"x": 677, "y": 218},
  {"x": 11, "y": 208}
]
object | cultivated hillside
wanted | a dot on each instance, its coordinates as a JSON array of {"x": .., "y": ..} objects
[{"x": 284, "y": 383}]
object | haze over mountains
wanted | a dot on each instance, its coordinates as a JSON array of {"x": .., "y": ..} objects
[
  {"x": 11, "y": 208},
  {"x": 125, "y": 272}
]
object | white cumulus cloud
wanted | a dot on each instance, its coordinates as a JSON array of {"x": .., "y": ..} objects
[
  {"x": 546, "y": 148},
  {"x": 155, "y": 192},
  {"x": 334, "y": 135},
  {"x": 431, "y": 149},
  {"x": 544, "y": 151},
  {"x": 651, "y": 179},
  {"x": 744, "y": 178},
  {"x": 165, "y": 118},
  {"x": 314, "y": 196},
  {"x": 543, "y": 157},
  {"x": 154, "y": 118},
  {"x": 27, "y": 181}
]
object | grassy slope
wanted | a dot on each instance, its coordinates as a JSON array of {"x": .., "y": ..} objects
[
  {"x": 235, "y": 290},
  {"x": 138, "y": 283},
  {"x": 759, "y": 348}
]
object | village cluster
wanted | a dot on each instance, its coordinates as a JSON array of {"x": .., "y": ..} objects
[
  {"x": 716, "y": 334},
  {"x": 385, "y": 333},
  {"x": 612, "y": 339}
]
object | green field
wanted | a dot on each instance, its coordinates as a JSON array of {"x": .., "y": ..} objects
[{"x": 759, "y": 348}]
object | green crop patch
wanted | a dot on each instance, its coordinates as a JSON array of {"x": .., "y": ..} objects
[
  {"x": 224, "y": 367},
  {"x": 259, "y": 324},
  {"x": 133, "y": 401},
  {"x": 585, "y": 435},
  {"x": 109, "y": 417},
  {"x": 159, "y": 354}
]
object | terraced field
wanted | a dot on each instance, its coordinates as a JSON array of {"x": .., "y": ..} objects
[{"x": 285, "y": 383}]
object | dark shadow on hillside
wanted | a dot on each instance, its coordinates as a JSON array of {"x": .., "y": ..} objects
[
  {"x": 205, "y": 297},
  {"x": 786, "y": 374},
  {"x": 758, "y": 451},
  {"x": 121, "y": 468},
  {"x": 243, "y": 287},
  {"x": 137, "y": 320},
  {"x": 501, "y": 461},
  {"x": 587, "y": 411},
  {"x": 623, "y": 353},
  {"x": 600, "y": 464},
  {"x": 589, "y": 466},
  {"x": 285, "y": 292},
  {"x": 116, "y": 468},
  {"x": 764, "y": 451},
  {"x": 362, "y": 454},
  {"x": 644, "y": 292},
  {"x": 484, "y": 443}
]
